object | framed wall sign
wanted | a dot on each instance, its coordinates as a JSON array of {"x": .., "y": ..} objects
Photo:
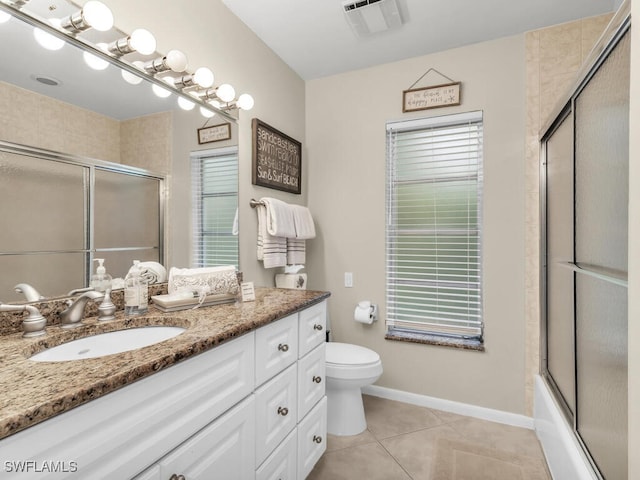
[
  {"x": 431, "y": 97},
  {"x": 276, "y": 159},
  {"x": 215, "y": 133}
]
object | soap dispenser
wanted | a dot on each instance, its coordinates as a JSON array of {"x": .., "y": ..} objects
[
  {"x": 136, "y": 291},
  {"x": 101, "y": 280}
]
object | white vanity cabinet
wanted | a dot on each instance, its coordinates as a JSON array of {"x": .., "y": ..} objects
[
  {"x": 300, "y": 431},
  {"x": 253, "y": 407}
]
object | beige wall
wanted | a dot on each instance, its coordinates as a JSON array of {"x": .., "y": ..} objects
[
  {"x": 212, "y": 36},
  {"x": 31, "y": 119},
  {"x": 554, "y": 56},
  {"x": 346, "y": 117},
  {"x": 634, "y": 253}
]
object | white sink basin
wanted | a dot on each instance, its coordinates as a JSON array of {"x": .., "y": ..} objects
[{"x": 107, "y": 343}]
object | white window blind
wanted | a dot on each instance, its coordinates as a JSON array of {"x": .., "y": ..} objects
[
  {"x": 433, "y": 249},
  {"x": 214, "y": 182}
]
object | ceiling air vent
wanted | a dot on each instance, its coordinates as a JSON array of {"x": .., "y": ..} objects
[{"x": 372, "y": 16}]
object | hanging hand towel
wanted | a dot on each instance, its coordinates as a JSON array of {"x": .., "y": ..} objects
[
  {"x": 296, "y": 251},
  {"x": 279, "y": 218},
  {"x": 303, "y": 222},
  {"x": 271, "y": 250}
]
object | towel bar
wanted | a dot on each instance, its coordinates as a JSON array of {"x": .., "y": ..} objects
[{"x": 253, "y": 203}]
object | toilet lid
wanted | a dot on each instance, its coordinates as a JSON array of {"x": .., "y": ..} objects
[{"x": 348, "y": 354}]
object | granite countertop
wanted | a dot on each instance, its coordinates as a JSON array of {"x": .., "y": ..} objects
[{"x": 35, "y": 391}]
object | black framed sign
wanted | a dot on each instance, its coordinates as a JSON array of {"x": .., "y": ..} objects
[{"x": 276, "y": 159}]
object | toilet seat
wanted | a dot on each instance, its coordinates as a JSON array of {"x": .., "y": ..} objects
[{"x": 346, "y": 361}]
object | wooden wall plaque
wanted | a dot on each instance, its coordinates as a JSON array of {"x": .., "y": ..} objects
[{"x": 276, "y": 159}]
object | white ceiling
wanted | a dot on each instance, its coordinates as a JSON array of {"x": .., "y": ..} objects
[{"x": 315, "y": 40}]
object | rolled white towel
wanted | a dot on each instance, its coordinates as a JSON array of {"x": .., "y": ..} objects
[{"x": 152, "y": 272}]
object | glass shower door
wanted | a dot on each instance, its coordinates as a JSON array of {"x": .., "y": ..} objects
[{"x": 601, "y": 233}]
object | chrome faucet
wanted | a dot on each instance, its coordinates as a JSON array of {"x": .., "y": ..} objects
[
  {"x": 74, "y": 314},
  {"x": 33, "y": 325},
  {"x": 30, "y": 293}
]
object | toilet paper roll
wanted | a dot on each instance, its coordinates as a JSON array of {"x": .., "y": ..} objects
[{"x": 362, "y": 313}]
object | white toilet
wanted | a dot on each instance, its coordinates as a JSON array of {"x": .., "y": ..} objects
[{"x": 349, "y": 367}]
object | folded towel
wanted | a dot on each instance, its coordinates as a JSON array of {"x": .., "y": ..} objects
[
  {"x": 213, "y": 280},
  {"x": 271, "y": 250},
  {"x": 280, "y": 221},
  {"x": 296, "y": 251},
  {"x": 153, "y": 272},
  {"x": 303, "y": 222}
]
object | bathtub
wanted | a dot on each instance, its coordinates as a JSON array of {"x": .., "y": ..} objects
[{"x": 564, "y": 455}]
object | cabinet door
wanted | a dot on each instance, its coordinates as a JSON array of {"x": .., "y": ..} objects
[
  {"x": 224, "y": 449},
  {"x": 311, "y": 379},
  {"x": 276, "y": 412},
  {"x": 312, "y": 438},
  {"x": 313, "y": 328},
  {"x": 276, "y": 347},
  {"x": 282, "y": 463}
]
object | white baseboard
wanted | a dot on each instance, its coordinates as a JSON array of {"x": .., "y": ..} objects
[{"x": 466, "y": 409}]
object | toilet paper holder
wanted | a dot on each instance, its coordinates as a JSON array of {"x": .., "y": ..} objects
[{"x": 371, "y": 307}]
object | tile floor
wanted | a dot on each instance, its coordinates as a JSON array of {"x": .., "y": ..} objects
[{"x": 407, "y": 442}]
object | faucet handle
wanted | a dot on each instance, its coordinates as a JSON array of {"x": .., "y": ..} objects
[
  {"x": 106, "y": 310},
  {"x": 33, "y": 325}
]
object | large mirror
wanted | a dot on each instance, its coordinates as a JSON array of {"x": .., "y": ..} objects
[{"x": 93, "y": 166}]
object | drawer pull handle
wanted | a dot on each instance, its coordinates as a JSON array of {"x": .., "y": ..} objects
[
  {"x": 317, "y": 379},
  {"x": 283, "y": 347},
  {"x": 317, "y": 327},
  {"x": 284, "y": 411},
  {"x": 177, "y": 477},
  {"x": 317, "y": 438}
]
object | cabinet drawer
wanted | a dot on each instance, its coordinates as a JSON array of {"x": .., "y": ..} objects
[
  {"x": 282, "y": 463},
  {"x": 312, "y": 438},
  {"x": 224, "y": 449},
  {"x": 312, "y": 328},
  {"x": 311, "y": 379},
  {"x": 276, "y": 412},
  {"x": 276, "y": 347}
]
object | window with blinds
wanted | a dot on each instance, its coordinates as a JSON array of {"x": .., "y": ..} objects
[
  {"x": 214, "y": 182},
  {"x": 433, "y": 244}
]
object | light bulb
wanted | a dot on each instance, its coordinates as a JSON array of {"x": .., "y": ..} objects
[
  {"x": 205, "y": 112},
  {"x": 143, "y": 41},
  {"x": 226, "y": 92},
  {"x": 176, "y": 61},
  {"x": 46, "y": 40},
  {"x": 203, "y": 77},
  {"x": 97, "y": 15},
  {"x": 245, "y": 101},
  {"x": 94, "y": 61},
  {"x": 185, "y": 104},
  {"x": 132, "y": 78},
  {"x": 4, "y": 17},
  {"x": 160, "y": 91}
]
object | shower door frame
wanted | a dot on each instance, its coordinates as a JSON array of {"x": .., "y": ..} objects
[{"x": 565, "y": 110}]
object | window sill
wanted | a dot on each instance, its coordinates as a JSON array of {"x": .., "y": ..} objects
[{"x": 425, "y": 338}]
